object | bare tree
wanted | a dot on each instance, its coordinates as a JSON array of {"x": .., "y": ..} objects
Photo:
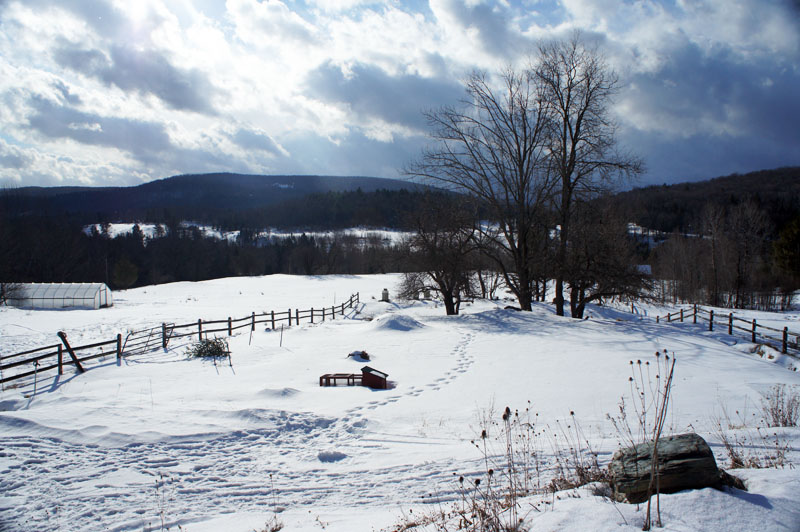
[
  {"x": 493, "y": 147},
  {"x": 442, "y": 250},
  {"x": 9, "y": 291},
  {"x": 577, "y": 86},
  {"x": 747, "y": 227},
  {"x": 713, "y": 224},
  {"x": 602, "y": 263}
]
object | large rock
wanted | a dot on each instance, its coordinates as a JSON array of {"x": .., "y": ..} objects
[{"x": 684, "y": 462}]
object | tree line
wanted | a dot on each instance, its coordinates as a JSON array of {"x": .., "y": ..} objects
[
  {"x": 56, "y": 249},
  {"x": 738, "y": 259}
]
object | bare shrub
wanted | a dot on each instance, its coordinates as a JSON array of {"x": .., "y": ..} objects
[
  {"x": 511, "y": 451},
  {"x": 576, "y": 463},
  {"x": 272, "y": 525},
  {"x": 748, "y": 447},
  {"x": 210, "y": 348},
  {"x": 779, "y": 408}
]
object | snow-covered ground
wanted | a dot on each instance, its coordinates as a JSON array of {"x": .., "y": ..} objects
[{"x": 222, "y": 448}]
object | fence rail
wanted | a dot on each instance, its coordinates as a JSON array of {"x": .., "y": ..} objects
[
  {"x": 60, "y": 361},
  {"x": 786, "y": 339},
  {"x": 153, "y": 338}
]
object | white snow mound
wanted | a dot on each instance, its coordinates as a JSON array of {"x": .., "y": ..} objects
[{"x": 397, "y": 322}]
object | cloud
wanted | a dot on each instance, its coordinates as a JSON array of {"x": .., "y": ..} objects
[
  {"x": 715, "y": 94},
  {"x": 342, "y": 5},
  {"x": 12, "y": 157},
  {"x": 256, "y": 140},
  {"x": 491, "y": 22},
  {"x": 57, "y": 121},
  {"x": 372, "y": 93},
  {"x": 269, "y": 22},
  {"x": 691, "y": 158},
  {"x": 143, "y": 71},
  {"x": 355, "y": 154}
]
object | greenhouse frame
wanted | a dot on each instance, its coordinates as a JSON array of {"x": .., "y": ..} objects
[{"x": 62, "y": 295}]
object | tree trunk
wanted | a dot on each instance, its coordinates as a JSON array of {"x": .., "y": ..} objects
[
  {"x": 484, "y": 293},
  {"x": 574, "y": 298},
  {"x": 449, "y": 303},
  {"x": 559, "y": 295},
  {"x": 524, "y": 293}
]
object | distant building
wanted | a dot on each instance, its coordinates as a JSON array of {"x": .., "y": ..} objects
[{"x": 62, "y": 295}]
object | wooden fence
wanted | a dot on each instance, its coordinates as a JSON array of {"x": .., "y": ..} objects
[
  {"x": 784, "y": 338},
  {"x": 138, "y": 342}
]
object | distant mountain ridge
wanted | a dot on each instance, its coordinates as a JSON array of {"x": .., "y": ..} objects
[
  {"x": 679, "y": 207},
  {"x": 188, "y": 192}
]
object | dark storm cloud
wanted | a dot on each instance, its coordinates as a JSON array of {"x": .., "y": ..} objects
[
  {"x": 713, "y": 114},
  {"x": 371, "y": 92},
  {"x": 143, "y": 71},
  {"x": 694, "y": 87},
  {"x": 252, "y": 140},
  {"x": 700, "y": 157},
  {"x": 56, "y": 121}
]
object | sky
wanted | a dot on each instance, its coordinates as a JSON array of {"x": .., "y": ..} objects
[{"x": 116, "y": 93}]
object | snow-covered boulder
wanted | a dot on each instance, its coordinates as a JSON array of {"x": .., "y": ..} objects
[{"x": 684, "y": 462}]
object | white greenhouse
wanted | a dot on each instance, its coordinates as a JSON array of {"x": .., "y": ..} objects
[{"x": 62, "y": 295}]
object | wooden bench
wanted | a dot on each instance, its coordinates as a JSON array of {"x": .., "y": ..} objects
[{"x": 332, "y": 379}]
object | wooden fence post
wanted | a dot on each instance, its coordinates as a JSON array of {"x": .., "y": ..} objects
[
  {"x": 253, "y": 324},
  {"x": 656, "y": 319},
  {"x": 312, "y": 315},
  {"x": 681, "y": 315},
  {"x": 333, "y": 312},
  {"x": 785, "y": 340},
  {"x": 230, "y": 330},
  {"x": 290, "y": 317},
  {"x": 754, "y": 330},
  {"x": 119, "y": 346},
  {"x": 711, "y": 320},
  {"x": 694, "y": 314},
  {"x": 163, "y": 335},
  {"x": 297, "y": 316},
  {"x": 272, "y": 312},
  {"x": 60, "y": 360},
  {"x": 730, "y": 323},
  {"x": 63, "y": 336},
  {"x": 669, "y": 317},
  {"x": 200, "y": 329}
]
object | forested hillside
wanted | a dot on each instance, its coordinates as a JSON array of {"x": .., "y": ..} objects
[
  {"x": 200, "y": 197},
  {"x": 680, "y": 207},
  {"x": 732, "y": 241}
]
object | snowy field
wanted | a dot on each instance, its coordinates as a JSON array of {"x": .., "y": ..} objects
[{"x": 159, "y": 440}]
